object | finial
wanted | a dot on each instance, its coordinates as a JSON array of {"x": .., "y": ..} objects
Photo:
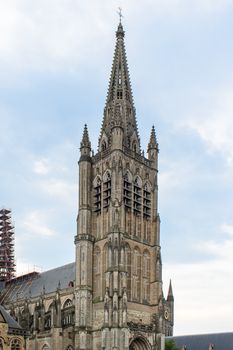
[{"x": 120, "y": 31}]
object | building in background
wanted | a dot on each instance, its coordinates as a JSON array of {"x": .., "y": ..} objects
[
  {"x": 214, "y": 341},
  {"x": 12, "y": 336},
  {"x": 111, "y": 297}
]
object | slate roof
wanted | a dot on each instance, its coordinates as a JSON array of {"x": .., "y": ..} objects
[
  {"x": 9, "y": 320},
  {"x": 33, "y": 285},
  {"x": 220, "y": 341}
]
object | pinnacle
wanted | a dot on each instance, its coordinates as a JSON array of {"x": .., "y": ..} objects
[
  {"x": 153, "y": 140},
  {"x": 85, "y": 140},
  {"x": 170, "y": 296}
]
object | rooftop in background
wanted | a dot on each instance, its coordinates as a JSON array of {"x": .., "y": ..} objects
[
  {"x": 34, "y": 283},
  {"x": 219, "y": 341}
]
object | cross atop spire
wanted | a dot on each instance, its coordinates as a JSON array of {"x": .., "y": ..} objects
[
  {"x": 120, "y": 13},
  {"x": 119, "y": 103}
]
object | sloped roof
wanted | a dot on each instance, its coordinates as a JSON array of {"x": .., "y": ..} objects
[
  {"x": 47, "y": 282},
  {"x": 220, "y": 341},
  {"x": 9, "y": 320}
]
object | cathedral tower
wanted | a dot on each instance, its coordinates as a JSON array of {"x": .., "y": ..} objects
[{"x": 119, "y": 301}]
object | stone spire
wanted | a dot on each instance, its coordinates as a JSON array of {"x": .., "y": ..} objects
[
  {"x": 170, "y": 296},
  {"x": 153, "y": 144},
  {"x": 85, "y": 143},
  {"x": 119, "y": 109}
]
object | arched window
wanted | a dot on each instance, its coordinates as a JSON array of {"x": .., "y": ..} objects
[
  {"x": 137, "y": 189},
  {"x": 45, "y": 347},
  {"x": 134, "y": 146},
  {"x": 15, "y": 344},
  {"x": 146, "y": 201},
  {"x": 97, "y": 194},
  {"x": 128, "y": 191},
  {"x": 67, "y": 303},
  {"x": 70, "y": 348},
  {"x": 103, "y": 145}
]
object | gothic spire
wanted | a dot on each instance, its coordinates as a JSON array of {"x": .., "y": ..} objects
[
  {"x": 119, "y": 109},
  {"x": 170, "y": 296},
  {"x": 85, "y": 140},
  {"x": 153, "y": 141}
]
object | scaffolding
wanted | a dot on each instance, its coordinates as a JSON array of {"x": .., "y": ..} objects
[{"x": 7, "y": 263}]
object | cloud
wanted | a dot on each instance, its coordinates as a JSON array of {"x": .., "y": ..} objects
[
  {"x": 57, "y": 34},
  {"x": 203, "y": 291},
  {"x": 228, "y": 229},
  {"x": 58, "y": 188},
  {"x": 35, "y": 224},
  {"x": 215, "y": 127},
  {"x": 41, "y": 167},
  {"x": 23, "y": 267}
]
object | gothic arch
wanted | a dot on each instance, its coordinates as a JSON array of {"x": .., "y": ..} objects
[
  {"x": 139, "y": 343},
  {"x": 147, "y": 186},
  {"x": 138, "y": 181},
  {"x": 97, "y": 181},
  {"x": 15, "y": 344},
  {"x": 45, "y": 347},
  {"x": 128, "y": 176},
  {"x": 103, "y": 143},
  {"x": 107, "y": 175},
  {"x": 70, "y": 347},
  {"x": 67, "y": 303},
  {"x": 48, "y": 306}
]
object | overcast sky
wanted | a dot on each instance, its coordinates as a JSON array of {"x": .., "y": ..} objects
[{"x": 55, "y": 61}]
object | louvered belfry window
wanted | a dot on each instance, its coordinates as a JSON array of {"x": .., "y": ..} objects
[
  {"x": 127, "y": 192},
  {"x": 107, "y": 190},
  {"x": 137, "y": 197},
  {"x": 97, "y": 195}
]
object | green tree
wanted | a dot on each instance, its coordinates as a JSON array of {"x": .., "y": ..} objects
[{"x": 170, "y": 345}]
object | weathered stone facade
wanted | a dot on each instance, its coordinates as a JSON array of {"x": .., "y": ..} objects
[
  {"x": 114, "y": 299},
  {"x": 119, "y": 272}
]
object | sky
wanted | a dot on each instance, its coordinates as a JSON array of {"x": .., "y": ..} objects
[{"x": 55, "y": 61}]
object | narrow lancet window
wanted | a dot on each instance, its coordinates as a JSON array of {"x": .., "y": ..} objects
[
  {"x": 137, "y": 197},
  {"x": 146, "y": 201},
  {"x": 127, "y": 192},
  {"x": 107, "y": 190},
  {"x": 97, "y": 195}
]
